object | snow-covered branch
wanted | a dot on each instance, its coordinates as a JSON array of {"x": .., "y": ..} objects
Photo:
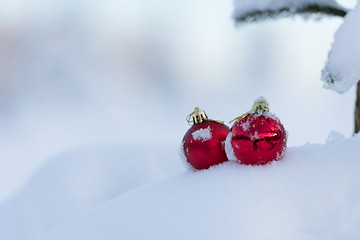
[
  {"x": 257, "y": 15},
  {"x": 342, "y": 69},
  {"x": 257, "y": 10}
]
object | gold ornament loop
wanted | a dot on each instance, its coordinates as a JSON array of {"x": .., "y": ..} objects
[
  {"x": 197, "y": 116},
  {"x": 260, "y": 106},
  {"x": 239, "y": 118}
]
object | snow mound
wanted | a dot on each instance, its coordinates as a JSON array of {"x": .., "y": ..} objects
[
  {"x": 78, "y": 180},
  {"x": 312, "y": 193},
  {"x": 342, "y": 69}
]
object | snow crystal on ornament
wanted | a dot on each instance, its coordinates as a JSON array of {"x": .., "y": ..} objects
[
  {"x": 245, "y": 125},
  {"x": 254, "y": 136},
  {"x": 202, "y": 134}
]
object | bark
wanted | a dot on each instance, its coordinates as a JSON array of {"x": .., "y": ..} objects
[{"x": 357, "y": 109}]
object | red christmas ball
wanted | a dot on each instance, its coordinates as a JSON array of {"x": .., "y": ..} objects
[
  {"x": 257, "y": 139},
  {"x": 204, "y": 144}
]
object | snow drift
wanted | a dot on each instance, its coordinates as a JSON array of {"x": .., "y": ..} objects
[
  {"x": 312, "y": 193},
  {"x": 77, "y": 180}
]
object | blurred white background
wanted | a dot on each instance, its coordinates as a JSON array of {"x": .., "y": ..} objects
[{"x": 127, "y": 73}]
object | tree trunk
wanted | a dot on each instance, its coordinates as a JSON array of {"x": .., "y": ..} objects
[{"x": 357, "y": 109}]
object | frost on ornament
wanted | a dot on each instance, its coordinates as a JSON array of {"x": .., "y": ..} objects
[
  {"x": 202, "y": 134},
  {"x": 342, "y": 69},
  {"x": 203, "y": 144},
  {"x": 245, "y": 125},
  {"x": 256, "y": 137}
]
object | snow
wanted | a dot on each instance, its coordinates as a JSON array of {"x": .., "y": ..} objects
[
  {"x": 244, "y": 7},
  {"x": 77, "y": 180},
  {"x": 79, "y": 75},
  {"x": 260, "y": 100},
  {"x": 245, "y": 125},
  {"x": 342, "y": 69},
  {"x": 203, "y": 134},
  {"x": 335, "y": 137},
  {"x": 183, "y": 158},
  {"x": 254, "y": 136},
  {"x": 312, "y": 193},
  {"x": 229, "y": 150}
]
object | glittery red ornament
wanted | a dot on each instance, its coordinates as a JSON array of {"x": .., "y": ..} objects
[
  {"x": 204, "y": 142},
  {"x": 257, "y": 137}
]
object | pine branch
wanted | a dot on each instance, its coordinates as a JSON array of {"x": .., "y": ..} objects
[{"x": 256, "y": 16}]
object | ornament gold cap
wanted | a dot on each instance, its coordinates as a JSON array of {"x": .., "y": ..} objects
[
  {"x": 260, "y": 106},
  {"x": 197, "y": 116}
]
